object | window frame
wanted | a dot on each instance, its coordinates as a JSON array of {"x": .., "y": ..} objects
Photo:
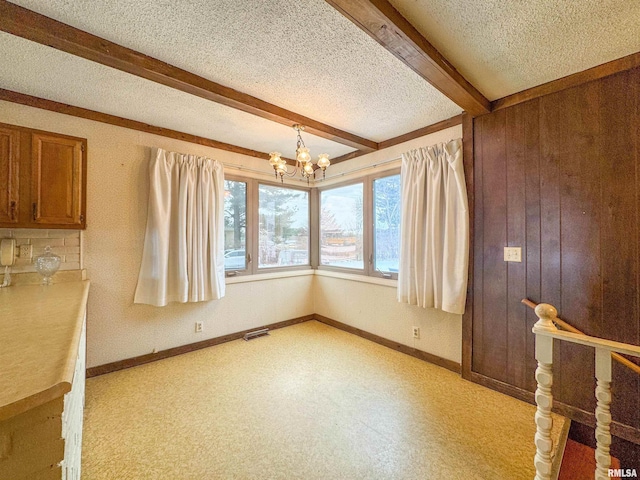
[
  {"x": 257, "y": 223},
  {"x": 368, "y": 240},
  {"x": 314, "y": 195},
  {"x": 365, "y": 233},
  {"x": 372, "y": 178},
  {"x": 248, "y": 233},
  {"x": 252, "y": 227}
]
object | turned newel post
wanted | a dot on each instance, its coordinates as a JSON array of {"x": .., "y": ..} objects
[
  {"x": 544, "y": 399},
  {"x": 546, "y": 316},
  {"x": 603, "y": 413}
]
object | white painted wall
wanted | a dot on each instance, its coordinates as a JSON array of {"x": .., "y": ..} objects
[
  {"x": 112, "y": 248},
  {"x": 116, "y": 218},
  {"x": 375, "y": 309}
]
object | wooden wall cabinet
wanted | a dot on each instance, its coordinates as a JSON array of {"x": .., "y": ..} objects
[
  {"x": 9, "y": 168},
  {"x": 44, "y": 177}
]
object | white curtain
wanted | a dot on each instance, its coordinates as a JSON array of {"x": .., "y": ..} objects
[
  {"x": 434, "y": 232},
  {"x": 183, "y": 257}
]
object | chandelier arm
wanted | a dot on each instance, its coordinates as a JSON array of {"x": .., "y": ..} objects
[
  {"x": 305, "y": 167},
  {"x": 293, "y": 173}
]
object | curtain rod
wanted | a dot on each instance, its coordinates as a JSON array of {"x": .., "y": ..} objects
[
  {"x": 262, "y": 172},
  {"x": 232, "y": 166},
  {"x": 366, "y": 167}
]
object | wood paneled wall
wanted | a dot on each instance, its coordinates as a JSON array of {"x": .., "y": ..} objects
[{"x": 559, "y": 176}]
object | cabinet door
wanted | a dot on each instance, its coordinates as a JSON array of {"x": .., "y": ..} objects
[
  {"x": 57, "y": 173},
  {"x": 9, "y": 161}
]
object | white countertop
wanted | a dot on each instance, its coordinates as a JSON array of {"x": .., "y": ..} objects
[{"x": 40, "y": 329}]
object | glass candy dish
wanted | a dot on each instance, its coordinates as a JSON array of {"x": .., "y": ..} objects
[{"x": 47, "y": 265}]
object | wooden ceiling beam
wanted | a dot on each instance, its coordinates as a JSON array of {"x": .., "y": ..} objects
[
  {"x": 570, "y": 81},
  {"x": 389, "y": 28},
  {"x": 79, "y": 112},
  {"x": 38, "y": 28},
  {"x": 421, "y": 132},
  {"x": 347, "y": 156},
  {"x": 50, "y": 105}
]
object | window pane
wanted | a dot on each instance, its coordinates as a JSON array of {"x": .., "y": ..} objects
[
  {"x": 341, "y": 227},
  {"x": 386, "y": 227},
  {"x": 284, "y": 227},
  {"x": 235, "y": 225}
]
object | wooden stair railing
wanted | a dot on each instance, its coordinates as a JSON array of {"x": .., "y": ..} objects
[
  {"x": 545, "y": 332},
  {"x": 569, "y": 328}
]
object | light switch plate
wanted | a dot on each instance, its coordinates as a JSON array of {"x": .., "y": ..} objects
[{"x": 512, "y": 254}]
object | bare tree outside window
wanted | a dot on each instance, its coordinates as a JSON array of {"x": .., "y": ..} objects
[{"x": 386, "y": 227}]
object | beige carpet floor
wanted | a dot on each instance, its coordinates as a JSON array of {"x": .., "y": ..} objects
[{"x": 307, "y": 402}]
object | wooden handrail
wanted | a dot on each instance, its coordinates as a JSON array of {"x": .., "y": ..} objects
[{"x": 565, "y": 326}]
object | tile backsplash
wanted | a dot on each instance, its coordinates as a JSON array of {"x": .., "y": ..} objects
[{"x": 66, "y": 243}]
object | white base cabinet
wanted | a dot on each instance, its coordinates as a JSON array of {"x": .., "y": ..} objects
[
  {"x": 45, "y": 442},
  {"x": 72, "y": 416}
]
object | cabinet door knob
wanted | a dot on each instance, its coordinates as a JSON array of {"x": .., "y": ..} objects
[
  {"x": 13, "y": 210},
  {"x": 35, "y": 211}
]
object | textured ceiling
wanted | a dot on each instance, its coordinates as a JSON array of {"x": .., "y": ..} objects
[
  {"x": 48, "y": 73},
  {"x": 308, "y": 58},
  {"x": 303, "y": 56},
  {"x": 506, "y": 46}
]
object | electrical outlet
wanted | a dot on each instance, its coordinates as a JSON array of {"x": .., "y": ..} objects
[
  {"x": 199, "y": 327},
  {"x": 512, "y": 254},
  {"x": 416, "y": 332},
  {"x": 26, "y": 251}
]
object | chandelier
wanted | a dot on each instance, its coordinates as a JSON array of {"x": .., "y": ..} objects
[{"x": 303, "y": 161}]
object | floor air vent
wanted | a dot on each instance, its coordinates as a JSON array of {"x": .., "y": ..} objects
[{"x": 256, "y": 334}]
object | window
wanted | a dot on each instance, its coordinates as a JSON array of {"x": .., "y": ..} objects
[
  {"x": 356, "y": 226},
  {"x": 266, "y": 226},
  {"x": 342, "y": 227},
  {"x": 235, "y": 225},
  {"x": 360, "y": 225},
  {"x": 284, "y": 227},
  {"x": 386, "y": 223}
]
